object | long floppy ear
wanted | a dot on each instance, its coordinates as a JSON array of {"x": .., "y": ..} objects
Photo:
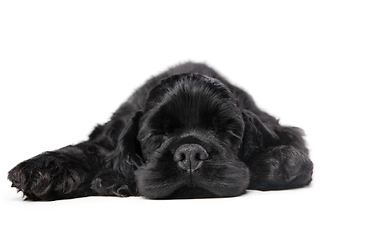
[
  {"x": 257, "y": 135},
  {"x": 127, "y": 155}
]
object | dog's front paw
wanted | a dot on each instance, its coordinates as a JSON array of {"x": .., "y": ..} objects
[
  {"x": 47, "y": 176},
  {"x": 285, "y": 164},
  {"x": 19, "y": 175},
  {"x": 281, "y": 166}
]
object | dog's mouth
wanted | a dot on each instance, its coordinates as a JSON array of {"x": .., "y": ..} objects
[
  {"x": 191, "y": 192},
  {"x": 200, "y": 179}
]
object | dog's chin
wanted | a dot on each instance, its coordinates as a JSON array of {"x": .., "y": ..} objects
[
  {"x": 165, "y": 181},
  {"x": 190, "y": 192}
]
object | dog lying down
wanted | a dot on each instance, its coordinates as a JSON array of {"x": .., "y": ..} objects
[{"x": 186, "y": 133}]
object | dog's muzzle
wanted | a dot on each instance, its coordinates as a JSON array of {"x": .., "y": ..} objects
[{"x": 190, "y": 157}]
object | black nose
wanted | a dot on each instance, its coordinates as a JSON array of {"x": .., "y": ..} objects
[{"x": 190, "y": 156}]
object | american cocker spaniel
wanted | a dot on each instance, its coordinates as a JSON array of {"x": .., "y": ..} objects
[{"x": 186, "y": 133}]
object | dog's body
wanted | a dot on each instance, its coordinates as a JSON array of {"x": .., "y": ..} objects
[{"x": 186, "y": 133}]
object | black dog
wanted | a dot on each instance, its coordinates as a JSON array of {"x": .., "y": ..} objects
[{"x": 186, "y": 133}]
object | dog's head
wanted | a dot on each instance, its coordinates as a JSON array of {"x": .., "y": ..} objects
[{"x": 189, "y": 137}]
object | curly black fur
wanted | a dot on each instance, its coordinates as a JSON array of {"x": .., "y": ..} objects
[{"x": 186, "y": 133}]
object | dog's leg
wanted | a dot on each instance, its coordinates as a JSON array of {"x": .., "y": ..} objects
[
  {"x": 280, "y": 167},
  {"x": 112, "y": 183},
  {"x": 64, "y": 173},
  {"x": 276, "y": 155}
]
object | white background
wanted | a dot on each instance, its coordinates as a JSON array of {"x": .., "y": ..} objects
[{"x": 66, "y": 66}]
